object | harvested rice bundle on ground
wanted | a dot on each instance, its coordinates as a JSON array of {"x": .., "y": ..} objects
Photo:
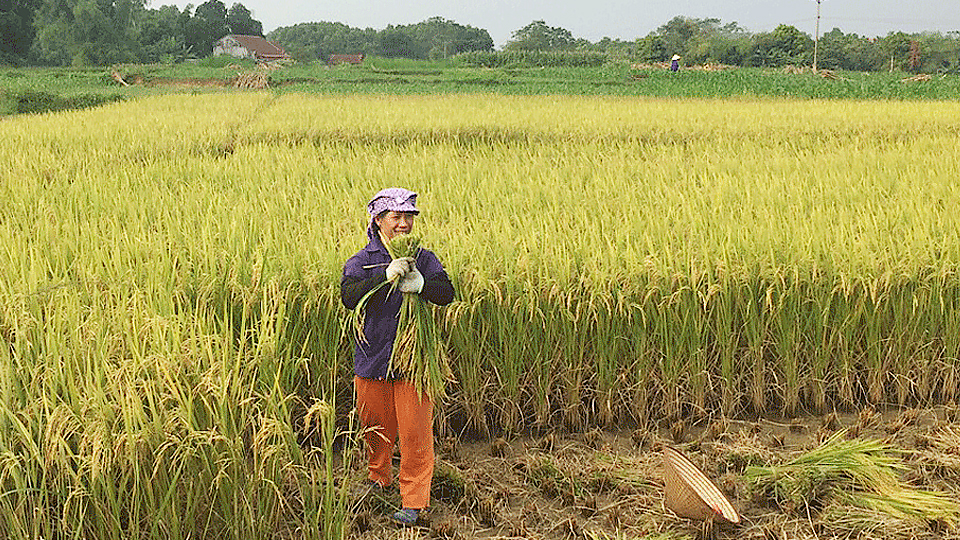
[{"x": 862, "y": 475}]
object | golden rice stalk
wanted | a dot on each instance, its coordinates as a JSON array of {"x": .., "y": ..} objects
[
  {"x": 906, "y": 503},
  {"x": 904, "y": 514},
  {"x": 849, "y": 521}
]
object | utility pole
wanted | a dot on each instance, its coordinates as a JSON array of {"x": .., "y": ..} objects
[{"x": 816, "y": 39}]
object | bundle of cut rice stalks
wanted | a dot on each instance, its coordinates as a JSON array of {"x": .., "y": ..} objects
[
  {"x": 252, "y": 79},
  {"x": 418, "y": 353},
  {"x": 418, "y": 350},
  {"x": 857, "y": 482}
]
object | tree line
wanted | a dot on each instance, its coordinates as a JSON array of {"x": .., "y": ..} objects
[
  {"x": 702, "y": 41},
  {"x": 697, "y": 41},
  {"x": 103, "y": 32},
  {"x": 432, "y": 39}
]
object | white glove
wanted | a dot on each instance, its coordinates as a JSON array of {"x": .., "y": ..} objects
[
  {"x": 398, "y": 267},
  {"x": 411, "y": 282}
]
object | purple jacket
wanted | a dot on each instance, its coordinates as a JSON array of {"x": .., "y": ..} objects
[{"x": 380, "y": 325}]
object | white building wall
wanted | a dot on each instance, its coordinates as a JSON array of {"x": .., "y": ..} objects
[{"x": 232, "y": 48}]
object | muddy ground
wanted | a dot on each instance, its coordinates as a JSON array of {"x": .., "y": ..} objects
[{"x": 609, "y": 485}]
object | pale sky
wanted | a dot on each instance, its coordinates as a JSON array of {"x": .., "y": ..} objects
[{"x": 623, "y": 19}]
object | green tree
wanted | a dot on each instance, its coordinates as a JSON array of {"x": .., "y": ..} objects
[
  {"x": 240, "y": 21},
  {"x": 712, "y": 42},
  {"x": 939, "y": 52},
  {"x": 434, "y": 38},
  {"x": 472, "y": 39},
  {"x": 162, "y": 34},
  {"x": 85, "y": 32},
  {"x": 321, "y": 39},
  {"x": 896, "y": 50},
  {"x": 651, "y": 49},
  {"x": 16, "y": 29},
  {"x": 704, "y": 40},
  {"x": 537, "y": 36},
  {"x": 849, "y": 52},
  {"x": 208, "y": 24},
  {"x": 830, "y": 53},
  {"x": 394, "y": 43},
  {"x": 441, "y": 38},
  {"x": 785, "y": 45},
  {"x": 613, "y": 48},
  {"x": 678, "y": 34}
]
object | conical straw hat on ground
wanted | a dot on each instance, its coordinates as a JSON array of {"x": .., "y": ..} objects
[{"x": 691, "y": 494}]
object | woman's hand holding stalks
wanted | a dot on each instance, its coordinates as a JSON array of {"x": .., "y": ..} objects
[
  {"x": 412, "y": 281},
  {"x": 399, "y": 267}
]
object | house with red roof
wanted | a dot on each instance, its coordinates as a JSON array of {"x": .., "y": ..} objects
[{"x": 253, "y": 47}]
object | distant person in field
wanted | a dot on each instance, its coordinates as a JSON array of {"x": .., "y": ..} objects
[
  {"x": 388, "y": 404},
  {"x": 675, "y": 63}
]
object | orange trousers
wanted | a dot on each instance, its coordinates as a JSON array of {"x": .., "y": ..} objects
[{"x": 389, "y": 409}]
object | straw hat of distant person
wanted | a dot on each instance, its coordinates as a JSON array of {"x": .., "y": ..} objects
[{"x": 676, "y": 57}]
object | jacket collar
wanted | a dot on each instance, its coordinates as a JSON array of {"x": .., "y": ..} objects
[{"x": 375, "y": 244}]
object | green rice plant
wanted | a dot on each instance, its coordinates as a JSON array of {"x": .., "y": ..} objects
[
  {"x": 325, "y": 500},
  {"x": 470, "y": 365},
  {"x": 907, "y": 341},
  {"x": 568, "y": 334},
  {"x": 611, "y": 320},
  {"x": 720, "y": 307},
  {"x": 875, "y": 366},
  {"x": 754, "y": 336},
  {"x": 818, "y": 342},
  {"x": 701, "y": 388},
  {"x": 945, "y": 324},
  {"x": 546, "y": 347},
  {"x": 676, "y": 331},
  {"x": 847, "y": 315},
  {"x": 509, "y": 364},
  {"x": 784, "y": 334},
  {"x": 96, "y": 473},
  {"x": 641, "y": 377}
]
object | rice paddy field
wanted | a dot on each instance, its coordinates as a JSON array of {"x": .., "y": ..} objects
[
  {"x": 41, "y": 89},
  {"x": 176, "y": 360}
]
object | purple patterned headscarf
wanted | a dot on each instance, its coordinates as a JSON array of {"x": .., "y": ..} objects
[
  {"x": 386, "y": 200},
  {"x": 393, "y": 199}
]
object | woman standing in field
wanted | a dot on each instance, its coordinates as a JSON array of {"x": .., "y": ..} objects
[{"x": 388, "y": 404}]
